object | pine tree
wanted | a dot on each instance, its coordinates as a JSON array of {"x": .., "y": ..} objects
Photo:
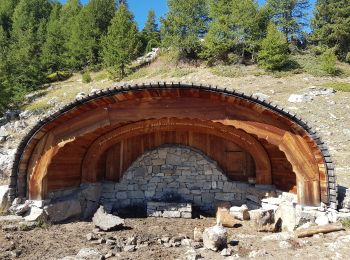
[
  {"x": 221, "y": 37},
  {"x": 150, "y": 32},
  {"x": 121, "y": 43},
  {"x": 91, "y": 25},
  {"x": 331, "y": 25},
  {"x": 186, "y": 23},
  {"x": 69, "y": 21},
  {"x": 290, "y": 16},
  {"x": 7, "y": 7},
  {"x": 237, "y": 26},
  {"x": 4, "y": 90},
  {"x": 53, "y": 48},
  {"x": 28, "y": 37},
  {"x": 274, "y": 50}
]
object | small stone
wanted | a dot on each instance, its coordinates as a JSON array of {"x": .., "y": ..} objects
[
  {"x": 90, "y": 237},
  {"x": 110, "y": 242},
  {"x": 322, "y": 220},
  {"x": 131, "y": 241},
  {"x": 197, "y": 245},
  {"x": 129, "y": 248},
  {"x": 192, "y": 255},
  {"x": 215, "y": 237},
  {"x": 285, "y": 245},
  {"x": 198, "y": 234},
  {"x": 294, "y": 98},
  {"x": 186, "y": 242},
  {"x": 165, "y": 239},
  {"x": 240, "y": 213},
  {"x": 258, "y": 253},
  {"x": 278, "y": 236},
  {"x": 226, "y": 252},
  {"x": 89, "y": 253}
]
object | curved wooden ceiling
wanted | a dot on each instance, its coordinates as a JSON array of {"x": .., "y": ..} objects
[{"x": 104, "y": 111}]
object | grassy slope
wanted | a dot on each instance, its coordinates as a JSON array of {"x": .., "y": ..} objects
[{"x": 166, "y": 67}]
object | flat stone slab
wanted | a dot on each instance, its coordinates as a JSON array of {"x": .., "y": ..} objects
[
  {"x": 11, "y": 218},
  {"x": 106, "y": 221}
]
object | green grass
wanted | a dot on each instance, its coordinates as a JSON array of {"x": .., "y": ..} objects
[
  {"x": 345, "y": 223},
  {"x": 311, "y": 64},
  {"x": 339, "y": 86},
  {"x": 227, "y": 71},
  {"x": 38, "y": 105},
  {"x": 181, "y": 72},
  {"x": 101, "y": 75}
]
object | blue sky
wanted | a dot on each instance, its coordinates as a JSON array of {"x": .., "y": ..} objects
[{"x": 140, "y": 8}]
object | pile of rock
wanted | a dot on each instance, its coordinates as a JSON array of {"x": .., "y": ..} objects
[{"x": 169, "y": 209}]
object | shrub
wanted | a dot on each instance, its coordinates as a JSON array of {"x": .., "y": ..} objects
[
  {"x": 58, "y": 76},
  {"x": 274, "y": 53},
  {"x": 86, "y": 77},
  {"x": 318, "y": 50},
  {"x": 328, "y": 62},
  {"x": 232, "y": 58},
  {"x": 347, "y": 58}
]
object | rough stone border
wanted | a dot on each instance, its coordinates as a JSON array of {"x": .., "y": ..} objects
[{"x": 332, "y": 187}]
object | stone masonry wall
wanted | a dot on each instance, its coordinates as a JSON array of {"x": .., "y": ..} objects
[{"x": 173, "y": 172}]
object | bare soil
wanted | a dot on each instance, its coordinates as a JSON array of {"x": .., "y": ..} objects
[{"x": 58, "y": 241}]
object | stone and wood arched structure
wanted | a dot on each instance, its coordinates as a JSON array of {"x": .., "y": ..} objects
[{"x": 98, "y": 137}]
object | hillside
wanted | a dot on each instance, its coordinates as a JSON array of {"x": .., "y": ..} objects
[{"x": 329, "y": 113}]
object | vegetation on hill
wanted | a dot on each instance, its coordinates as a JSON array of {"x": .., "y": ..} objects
[{"x": 42, "y": 40}]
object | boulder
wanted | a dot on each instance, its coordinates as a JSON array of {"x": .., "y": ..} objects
[
  {"x": 63, "y": 210},
  {"x": 264, "y": 220},
  {"x": 4, "y": 202},
  {"x": 224, "y": 218},
  {"x": 240, "y": 213},
  {"x": 215, "y": 238},
  {"x": 106, "y": 221}
]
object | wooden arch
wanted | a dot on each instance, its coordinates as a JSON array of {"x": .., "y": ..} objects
[
  {"x": 84, "y": 121},
  {"x": 250, "y": 144}
]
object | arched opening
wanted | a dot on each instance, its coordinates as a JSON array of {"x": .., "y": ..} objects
[{"x": 245, "y": 136}]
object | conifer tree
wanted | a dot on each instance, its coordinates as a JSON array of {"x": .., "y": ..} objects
[
  {"x": 237, "y": 26},
  {"x": 7, "y": 7},
  {"x": 4, "y": 90},
  {"x": 53, "y": 48},
  {"x": 221, "y": 37},
  {"x": 274, "y": 50},
  {"x": 185, "y": 24},
  {"x": 121, "y": 43},
  {"x": 91, "y": 25},
  {"x": 331, "y": 25},
  {"x": 68, "y": 21},
  {"x": 150, "y": 32},
  {"x": 28, "y": 36},
  {"x": 289, "y": 16}
]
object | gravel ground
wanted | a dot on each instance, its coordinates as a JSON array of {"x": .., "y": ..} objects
[{"x": 56, "y": 242}]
